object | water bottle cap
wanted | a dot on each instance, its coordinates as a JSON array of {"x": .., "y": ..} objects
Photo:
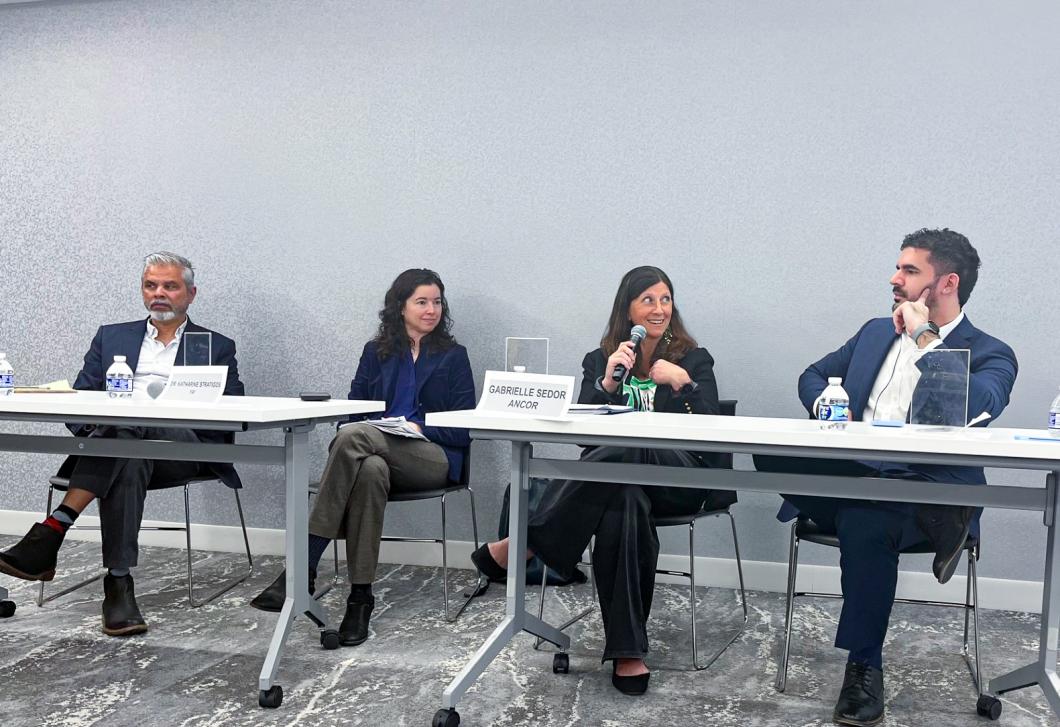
[
  {"x": 835, "y": 380},
  {"x": 119, "y": 359}
]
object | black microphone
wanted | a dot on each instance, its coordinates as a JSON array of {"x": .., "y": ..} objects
[{"x": 636, "y": 334}]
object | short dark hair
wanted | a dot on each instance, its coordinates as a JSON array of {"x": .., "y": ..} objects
[
  {"x": 392, "y": 338},
  {"x": 949, "y": 252}
]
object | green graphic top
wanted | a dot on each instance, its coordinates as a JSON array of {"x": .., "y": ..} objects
[{"x": 640, "y": 394}]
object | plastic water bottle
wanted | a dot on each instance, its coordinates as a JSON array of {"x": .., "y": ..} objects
[
  {"x": 1054, "y": 414},
  {"x": 119, "y": 379},
  {"x": 7, "y": 376},
  {"x": 834, "y": 408}
]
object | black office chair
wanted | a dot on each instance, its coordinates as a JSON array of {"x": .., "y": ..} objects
[
  {"x": 805, "y": 529},
  {"x": 62, "y": 484},
  {"x": 442, "y": 492},
  {"x": 560, "y": 662}
]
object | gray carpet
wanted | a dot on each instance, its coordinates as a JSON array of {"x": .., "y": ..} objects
[{"x": 200, "y": 667}]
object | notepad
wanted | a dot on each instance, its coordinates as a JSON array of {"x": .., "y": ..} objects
[{"x": 599, "y": 409}]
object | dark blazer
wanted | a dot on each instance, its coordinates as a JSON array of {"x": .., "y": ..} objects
[
  {"x": 443, "y": 383},
  {"x": 992, "y": 373},
  {"x": 700, "y": 367},
  {"x": 125, "y": 339}
]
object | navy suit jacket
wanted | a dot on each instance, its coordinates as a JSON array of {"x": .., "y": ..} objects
[
  {"x": 125, "y": 339},
  {"x": 992, "y": 373},
  {"x": 443, "y": 383}
]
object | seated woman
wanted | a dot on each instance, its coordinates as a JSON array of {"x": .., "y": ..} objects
[
  {"x": 416, "y": 366},
  {"x": 669, "y": 373}
]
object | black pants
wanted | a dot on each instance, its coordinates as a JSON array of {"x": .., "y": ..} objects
[
  {"x": 627, "y": 546},
  {"x": 121, "y": 486}
]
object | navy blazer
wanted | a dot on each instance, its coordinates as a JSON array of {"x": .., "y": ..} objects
[
  {"x": 125, "y": 339},
  {"x": 992, "y": 373},
  {"x": 443, "y": 383}
]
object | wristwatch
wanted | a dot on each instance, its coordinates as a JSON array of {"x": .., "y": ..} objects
[
  {"x": 924, "y": 328},
  {"x": 688, "y": 389}
]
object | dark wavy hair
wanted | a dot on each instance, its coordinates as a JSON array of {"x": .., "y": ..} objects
[
  {"x": 392, "y": 338},
  {"x": 633, "y": 284},
  {"x": 948, "y": 252}
]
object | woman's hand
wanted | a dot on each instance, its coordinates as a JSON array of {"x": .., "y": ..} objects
[
  {"x": 623, "y": 355},
  {"x": 663, "y": 373}
]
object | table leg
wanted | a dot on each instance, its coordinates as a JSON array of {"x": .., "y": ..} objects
[
  {"x": 516, "y": 618},
  {"x": 296, "y": 448},
  {"x": 1043, "y": 672}
]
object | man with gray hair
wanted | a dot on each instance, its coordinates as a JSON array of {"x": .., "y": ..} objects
[{"x": 151, "y": 348}]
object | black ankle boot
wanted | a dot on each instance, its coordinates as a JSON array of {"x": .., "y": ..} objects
[
  {"x": 272, "y": 598},
  {"x": 861, "y": 698},
  {"x": 353, "y": 631},
  {"x": 33, "y": 558},
  {"x": 121, "y": 615}
]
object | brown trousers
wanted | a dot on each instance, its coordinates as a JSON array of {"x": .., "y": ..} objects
[{"x": 364, "y": 465}]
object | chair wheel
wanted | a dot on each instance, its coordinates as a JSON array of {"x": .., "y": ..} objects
[
  {"x": 329, "y": 639},
  {"x": 271, "y": 698},
  {"x": 560, "y": 664},
  {"x": 7, "y": 609},
  {"x": 446, "y": 718},
  {"x": 988, "y": 706}
]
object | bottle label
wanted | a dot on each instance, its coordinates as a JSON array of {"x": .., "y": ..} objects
[
  {"x": 7, "y": 381},
  {"x": 1054, "y": 420},
  {"x": 119, "y": 384},
  {"x": 833, "y": 412}
]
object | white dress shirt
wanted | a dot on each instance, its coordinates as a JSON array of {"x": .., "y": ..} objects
[
  {"x": 892, "y": 392},
  {"x": 156, "y": 358}
]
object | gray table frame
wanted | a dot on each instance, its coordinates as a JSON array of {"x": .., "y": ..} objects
[
  {"x": 293, "y": 456},
  {"x": 1042, "y": 672}
]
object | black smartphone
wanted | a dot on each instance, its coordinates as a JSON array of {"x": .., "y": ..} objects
[{"x": 314, "y": 396}]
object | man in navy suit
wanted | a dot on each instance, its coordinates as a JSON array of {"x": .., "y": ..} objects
[
  {"x": 882, "y": 368},
  {"x": 151, "y": 348}
]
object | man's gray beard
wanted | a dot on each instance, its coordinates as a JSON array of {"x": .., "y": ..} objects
[{"x": 163, "y": 315}]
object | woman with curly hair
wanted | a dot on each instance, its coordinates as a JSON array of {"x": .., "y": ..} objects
[{"x": 417, "y": 367}]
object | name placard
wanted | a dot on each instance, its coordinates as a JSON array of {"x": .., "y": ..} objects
[
  {"x": 532, "y": 395},
  {"x": 199, "y": 384}
]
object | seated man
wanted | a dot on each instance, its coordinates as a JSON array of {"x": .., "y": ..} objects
[
  {"x": 151, "y": 347},
  {"x": 937, "y": 270}
]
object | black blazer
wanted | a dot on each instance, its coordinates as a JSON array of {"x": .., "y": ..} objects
[
  {"x": 697, "y": 362},
  {"x": 700, "y": 367}
]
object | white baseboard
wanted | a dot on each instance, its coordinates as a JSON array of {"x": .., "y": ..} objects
[{"x": 994, "y": 593}]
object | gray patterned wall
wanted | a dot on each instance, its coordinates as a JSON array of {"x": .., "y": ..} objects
[{"x": 770, "y": 155}]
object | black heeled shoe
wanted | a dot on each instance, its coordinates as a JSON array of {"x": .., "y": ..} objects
[
  {"x": 487, "y": 566},
  {"x": 634, "y": 686}
]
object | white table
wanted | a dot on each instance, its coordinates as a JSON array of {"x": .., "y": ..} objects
[
  {"x": 787, "y": 437},
  {"x": 231, "y": 414}
]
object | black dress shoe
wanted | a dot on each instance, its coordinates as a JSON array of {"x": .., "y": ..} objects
[
  {"x": 272, "y": 598},
  {"x": 353, "y": 631},
  {"x": 487, "y": 566},
  {"x": 946, "y": 526},
  {"x": 634, "y": 686},
  {"x": 33, "y": 558},
  {"x": 121, "y": 615},
  {"x": 861, "y": 698}
]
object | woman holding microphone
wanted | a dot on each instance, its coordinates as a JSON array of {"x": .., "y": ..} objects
[{"x": 669, "y": 372}]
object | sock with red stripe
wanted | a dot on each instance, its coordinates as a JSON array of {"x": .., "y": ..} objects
[{"x": 61, "y": 519}]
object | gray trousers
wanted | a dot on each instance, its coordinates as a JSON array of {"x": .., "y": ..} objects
[
  {"x": 122, "y": 484},
  {"x": 364, "y": 465}
]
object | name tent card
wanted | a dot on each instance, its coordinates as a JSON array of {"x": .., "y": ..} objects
[
  {"x": 539, "y": 396},
  {"x": 198, "y": 384}
]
